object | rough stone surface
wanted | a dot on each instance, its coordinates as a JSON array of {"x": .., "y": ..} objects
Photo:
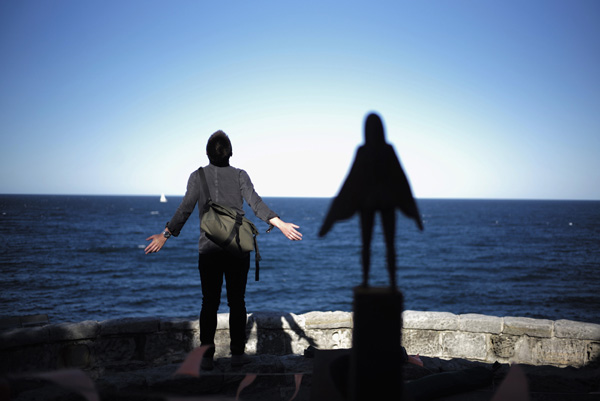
[
  {"x": 464, "y": 345},
  {"x": 139, "y": 356},
  {"x": 476, "y": 323},
  {"x": 299, "y": 341},
  {"x": 75, "y": 356},
  {"x": 528, "y": 326},
  {"x": 122, "y": 342},
  {"x": 592, "y": 354},
  {"x": 222, "y": 321},
  {"x": 278, "y": 341},
  {"x": 558, "y": 352},
  {"x": 503, "y": 346},
  {"x": 22, "y": 337},
  {"x": 579, "y": 330},
  {"x": 422, "y": 342},
  {"x": 74, "y": 331},
  {"x": 108, "y": 349},
  {"x": 276, "y": 320},
  {"x": 129, "y": 325},
  {"x": 328, "y": 320},
  {"x": 167, "y": 345},
  {"x": 330, "y": 338},
  {"x": 179, "y": 324},
  {"x": 524, "y": 351},
  {"x": 39, "y": 357},
  {"x": 430, "y": 320}
]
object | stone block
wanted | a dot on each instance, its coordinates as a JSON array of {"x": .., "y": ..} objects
[
  {"x": 277, "y": 320},
  {"x": 422, "y": 342},
  {"x": 195, "y": 338},
  {"x": 300, "y": 337},
  {"x": 592, "y": 356},
  {"x": 527, "y": 326},
  {"x": 294, "y": 322},
  {"x": 430, "y": 320},
  {"x": 503, "y": 346},
  {"x": 328, "y": 320},
  {"x": 106, "y": 349},
  {"x": 550, "y": 351},
  {"x": 295, "y": 337},
  {"x": 223, "y": 321},
  {"x": 129, "y": 325},
  {"x": 75, "y": 356},
  {"x": 179, "y": 325},
  {"x": 330, "y": 338},
  {"x": 222, "y": 342},
  {"x": 165, "y": 345},
  {"x": 456, "y": 344},
  {"x": 276, "y": 333},
  {"x": 22, "y": 337},
  {"x": 272, "y": 342},
  {"x": 74, "y": 331},
  {"x": 476, "y": 323},
  {"x": 266, "y": 320},
  {"x": 36, "y": 358},
  {"x": 562, "y": 352},
  {"x": 298, "y": 343},
  {"x": 579, "y": 330},
  {"x": 524, "y": 350},
  {"x": 251, "y": 344}
]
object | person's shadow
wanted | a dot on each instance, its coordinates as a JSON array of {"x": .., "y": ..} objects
[{"x": 271, "y": 334}]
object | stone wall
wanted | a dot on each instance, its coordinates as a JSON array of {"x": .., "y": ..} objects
[
  {"x": 503, "y": 339},
  {"x": 139, "y": 342}
]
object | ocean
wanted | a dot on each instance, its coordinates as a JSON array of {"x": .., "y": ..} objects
[{"x": 79, "y": 258}]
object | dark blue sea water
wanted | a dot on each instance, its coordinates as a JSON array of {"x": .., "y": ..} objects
[{"x": 82, "y": 257}]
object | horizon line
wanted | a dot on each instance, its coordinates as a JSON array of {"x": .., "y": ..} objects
[{"x": 311, "y": 197}]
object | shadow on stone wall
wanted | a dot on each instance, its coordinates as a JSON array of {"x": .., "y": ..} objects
[
  {"x": 139, "y": 355},
  {"x": 276, "y": 333}
]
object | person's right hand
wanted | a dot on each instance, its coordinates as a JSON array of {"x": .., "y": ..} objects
[{"x": 158, "y": 241}]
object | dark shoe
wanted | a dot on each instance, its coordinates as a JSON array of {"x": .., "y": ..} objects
[
  {"x": 240, "y": 360},
  {"x": 207, "y": 363}
]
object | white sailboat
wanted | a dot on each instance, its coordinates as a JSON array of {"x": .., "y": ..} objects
[{"x": 163, "y": 198}]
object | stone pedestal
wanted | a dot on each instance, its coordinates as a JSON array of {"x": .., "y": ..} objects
[{"x": 376, "y": 357}]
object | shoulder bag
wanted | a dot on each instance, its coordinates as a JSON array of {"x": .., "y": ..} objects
[{"x": 228, "y": 228}]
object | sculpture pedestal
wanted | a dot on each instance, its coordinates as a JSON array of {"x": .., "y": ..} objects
[{"x": 376, "y": 356}]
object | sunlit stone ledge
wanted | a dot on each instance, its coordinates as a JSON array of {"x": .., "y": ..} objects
[{"x": 95, "y": 346}]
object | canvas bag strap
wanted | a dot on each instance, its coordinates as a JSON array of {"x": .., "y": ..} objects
[
  {"x": 238, "y": 217},
  {"x": 204, "y": 184},
  {"x": 257, "y": 259}
]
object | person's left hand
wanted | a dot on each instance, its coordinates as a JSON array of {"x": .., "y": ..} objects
[{"x": 288, "y": 229}]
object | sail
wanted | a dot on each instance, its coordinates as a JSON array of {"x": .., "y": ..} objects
[{"x": 163, "y": 198}]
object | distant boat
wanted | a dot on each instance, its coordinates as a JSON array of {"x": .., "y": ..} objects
[{"x": 163, "y": 198}]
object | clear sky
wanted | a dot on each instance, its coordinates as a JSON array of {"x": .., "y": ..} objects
[{"x": 481, "y": 99}]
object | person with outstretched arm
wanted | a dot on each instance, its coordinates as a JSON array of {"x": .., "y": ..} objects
[{"x": 228, "y": 186}]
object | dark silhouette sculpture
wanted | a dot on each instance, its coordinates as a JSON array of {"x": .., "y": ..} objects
[{"x": 376, "y": 182}]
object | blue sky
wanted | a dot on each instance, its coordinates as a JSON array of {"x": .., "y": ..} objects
[{"x": 481, "y": 99}]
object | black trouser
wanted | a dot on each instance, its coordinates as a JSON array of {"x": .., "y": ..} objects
[{"x": 213, "y": 266}]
